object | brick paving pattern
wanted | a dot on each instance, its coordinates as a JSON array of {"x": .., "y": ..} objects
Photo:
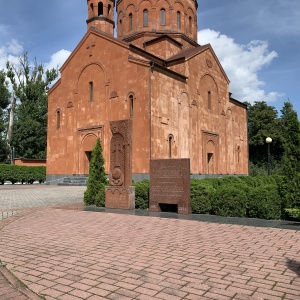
[
  {"x": 8, "y": 292},
  {"x": 27, "y": 196},
  {"x": 64, "y": 254}
]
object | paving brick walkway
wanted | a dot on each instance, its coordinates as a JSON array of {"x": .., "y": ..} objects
[{"x": 71, "y": 255}]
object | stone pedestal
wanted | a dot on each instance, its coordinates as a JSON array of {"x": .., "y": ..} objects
[{"x": 120, "y": 197}]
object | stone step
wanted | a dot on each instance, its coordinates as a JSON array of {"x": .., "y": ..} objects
[{"x": 74, "y": 181}]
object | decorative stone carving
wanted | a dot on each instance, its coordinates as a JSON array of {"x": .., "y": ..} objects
[
  {"x": 113, "y": 94},
  {"x": 209, "y": 63},
  {"x": 70, "y": 104},
  {"x": 120, "y": 193}
]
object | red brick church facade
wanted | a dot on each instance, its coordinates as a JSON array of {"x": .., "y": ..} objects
[{"x": 154, "y": 72}]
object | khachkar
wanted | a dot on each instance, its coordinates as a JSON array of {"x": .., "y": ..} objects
[{"x": 120, "y": 193}]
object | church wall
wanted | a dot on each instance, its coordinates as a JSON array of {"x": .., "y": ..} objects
[
  {"x": 205, "y": 126},
  {"x": 163, "y": 49},
  {"x": 83, "y": 119},
  {"x": 221, "y": 122}
]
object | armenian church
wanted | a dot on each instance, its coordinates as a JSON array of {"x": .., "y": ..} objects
[{"x": 145, "y": 64}]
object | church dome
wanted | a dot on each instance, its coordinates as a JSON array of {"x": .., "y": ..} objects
[{"x": 160, "y": 17}]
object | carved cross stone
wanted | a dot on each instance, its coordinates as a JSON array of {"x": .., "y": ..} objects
[{"x": 90, "y": 48}]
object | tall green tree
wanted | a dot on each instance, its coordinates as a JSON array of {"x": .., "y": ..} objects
[
  {"x": 289, "y": 186},
  {"x": 4, "y": 103},
  {"x": 291, "y": 131},
  {"x": 30, "y": 82},
  {"x": 263, "y": 122},
  {"x": 95, "y": 192}
]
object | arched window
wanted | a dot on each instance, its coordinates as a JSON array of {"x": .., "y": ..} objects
[
  {"x": 131, "y": 105},
  {"x": 58, "y": 116},
  {"x": 108, "y": 9},
  {"x": 100, "y": 9},
  {"x": 130, "y": 21},
  {"x": 170, "y": 142},
  {"x": 178, "y": 19},
  {"x": 209, "y": 99},
  {"x": 145, "y": 20},
  {"x": 91, "y": 85},
  {"x": 162, "y": 17},
  {"x": 190, "y": 24}
]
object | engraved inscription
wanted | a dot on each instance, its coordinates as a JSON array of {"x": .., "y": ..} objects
[{"x": 170, "y": 184}]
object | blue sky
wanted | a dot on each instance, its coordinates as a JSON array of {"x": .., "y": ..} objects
[{"x": 257, "y": 42}]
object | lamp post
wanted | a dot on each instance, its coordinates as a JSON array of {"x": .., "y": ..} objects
[{"x": 269, "y": 141}]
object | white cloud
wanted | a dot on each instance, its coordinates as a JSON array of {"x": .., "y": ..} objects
[
  {"x": 10, "y": 52},
  {"x": 57, "y": 59},
  {"x": 242, "y": 64}
]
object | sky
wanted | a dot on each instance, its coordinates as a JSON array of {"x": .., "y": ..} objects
[{"x": 256, "y": 41}]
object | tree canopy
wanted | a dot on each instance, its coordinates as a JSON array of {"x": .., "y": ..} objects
[
  {"x": 4, "y": 102},
  {"x": 29, "y": 82},
  {"x": 263, "y": 122}
]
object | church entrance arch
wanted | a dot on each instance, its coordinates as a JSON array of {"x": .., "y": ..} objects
[
  {"x": 210, "y": 153},
  {"x": 88, "y": 144}
]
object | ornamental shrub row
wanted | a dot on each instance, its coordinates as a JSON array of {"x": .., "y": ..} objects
[
  {"x": 245, "y": 196},
  {"x": 22, "y": 174}
]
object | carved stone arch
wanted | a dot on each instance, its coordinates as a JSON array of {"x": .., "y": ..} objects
[
  {"x": 193, "y": 13},
  {"x": 88, "y": 142},
  {"x": 141, "y": 1},
  {"x": 181, "y": 93},
  {"x": 208, "y": 74},
  {"x": 121, "y": 15},
  {"x": 168, "y": 1},
  {"x": 56, "y": 111},
  {"x": 130, "y": 94},
  {"x": 194, "y": 103},
  {"x": 131, "y": 4},
  {"x": 184, "y": 92},
  {"x": 180, "y": 3},
  {"x": 86, "y": 66}
]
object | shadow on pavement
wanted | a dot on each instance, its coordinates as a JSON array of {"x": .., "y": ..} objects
[{"x": 283, "y": 224}]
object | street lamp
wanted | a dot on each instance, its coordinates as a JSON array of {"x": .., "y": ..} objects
[{"x": 269, "y": 141}]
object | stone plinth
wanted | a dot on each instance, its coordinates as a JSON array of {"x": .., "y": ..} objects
[
  {"x": 120, "y": 197},
  {"x": 170, "y": 184}
]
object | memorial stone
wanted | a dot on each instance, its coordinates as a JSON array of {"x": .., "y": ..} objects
[
  {"x": 120, "y": 193},
  {"x": 170, "y": 184}
]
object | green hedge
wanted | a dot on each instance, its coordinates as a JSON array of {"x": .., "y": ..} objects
[
  {"x": 245, "y": 196},
  {"x": 142, "y": 194},
  {"x": 22, "y": 174}
]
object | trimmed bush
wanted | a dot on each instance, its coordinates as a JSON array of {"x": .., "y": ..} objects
[
  {"x": 97, "y": 179},
  {"x": 229, "y": 201},
  {"x": 289, "y": 191},
  {"x": 142, "y": 194},
  {"x": 22, "y": 174},
  {"x": 202, "y": 193},
  {"x": 264, "y": 202}
]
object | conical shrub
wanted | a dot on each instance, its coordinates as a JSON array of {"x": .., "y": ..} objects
[{"x": 97, "y": 179}]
